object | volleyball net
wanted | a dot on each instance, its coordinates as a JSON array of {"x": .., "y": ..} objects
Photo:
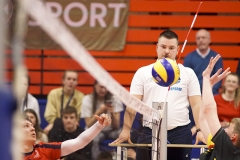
[{"x": 56, "y": 29}]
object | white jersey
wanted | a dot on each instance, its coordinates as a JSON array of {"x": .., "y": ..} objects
[{"x": 177, "y": 100}]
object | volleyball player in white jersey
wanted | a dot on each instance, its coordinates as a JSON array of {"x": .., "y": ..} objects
[{"x": 182, "y": 94}]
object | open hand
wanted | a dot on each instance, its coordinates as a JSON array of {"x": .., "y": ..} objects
[
  {"x": 124, "y": 136},
  {"x": 218, "y": 75},
  {"x": 200, "y": 138}
]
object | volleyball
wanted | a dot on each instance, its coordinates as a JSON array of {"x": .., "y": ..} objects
[{"x": 165, "y": 72}]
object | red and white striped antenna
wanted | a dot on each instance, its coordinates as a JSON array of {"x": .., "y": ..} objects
[{"x": 185, "y": 42}]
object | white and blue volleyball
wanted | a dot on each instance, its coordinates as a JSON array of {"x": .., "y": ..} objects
[{"x": 165, "y": 72}]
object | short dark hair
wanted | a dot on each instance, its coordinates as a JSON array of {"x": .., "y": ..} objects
[
  {"x": 70, "y": 110},
  {"x": 169, "y": 34},
  {"x": 64, "y": 74}
]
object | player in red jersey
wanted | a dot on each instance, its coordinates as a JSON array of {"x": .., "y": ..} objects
[{"x": 56, "y": 150}]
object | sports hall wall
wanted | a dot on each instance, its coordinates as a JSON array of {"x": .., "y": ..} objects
[{"x": 147, "y": 18}]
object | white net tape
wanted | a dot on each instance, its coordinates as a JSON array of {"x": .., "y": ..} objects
[{"x": 61, "y": 35}]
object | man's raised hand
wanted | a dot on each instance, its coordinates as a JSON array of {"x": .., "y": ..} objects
[{"x": 218, "y": 75}]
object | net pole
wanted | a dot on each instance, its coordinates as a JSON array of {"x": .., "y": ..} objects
[{"x": 3, "y": 37}]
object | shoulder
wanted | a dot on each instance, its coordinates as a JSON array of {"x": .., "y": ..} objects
[
  {"x": 185, "y": 69},
  {"x": 88, "y": 97},
  {"x": 191, "y": 54},
  {"x": 221, "y": 134},
  {"x": 52, "y": 145},
  {"x": 56, "y": 91},
  {"x": 212, "y": 52},
  {"x": 32, "y": 97},
  {"x": 217, "y": 96},
  {"x": 142, "y": 72},
  {"x": 144, "y": 68}
]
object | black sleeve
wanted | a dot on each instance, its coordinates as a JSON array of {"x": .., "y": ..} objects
[
  {"x": 55, "y": 134},
  {"x": 223, "y": 145}
]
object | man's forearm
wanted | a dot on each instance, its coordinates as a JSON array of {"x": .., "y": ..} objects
[
  {"x": 196, "y": 110},
  {"x": 115, "y": 120},
  {"x": 129, "y": 117},
  {"x": 207, "y": 96},
  {"x": 203, "y": 123},
  {"x": 82, "y": 140}
]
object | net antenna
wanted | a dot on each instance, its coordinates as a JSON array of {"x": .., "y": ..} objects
[
  {"x": 185, "y": 41},
  {"x": 5, "y": 129},
  {"x": 20, "y": 28},
  {"x": 3, "y": 37}
]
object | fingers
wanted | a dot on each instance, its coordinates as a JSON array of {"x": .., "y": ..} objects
[
  {"x": 225, "y": 73},
  {"x": 129, "y": 141},
  {"x": 107, "y": 120},
  {"x": 203, "y": 140},
  {"x": 97, "y": 117},
  {"x": 213, "y": 61},
  {"x": 117, "y": 141},
  {"x": 104, "y": 119},
  {"x": 121, "y": 140}
]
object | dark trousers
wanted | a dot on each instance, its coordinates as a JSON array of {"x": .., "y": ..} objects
[{"x": 179, "y": 135}]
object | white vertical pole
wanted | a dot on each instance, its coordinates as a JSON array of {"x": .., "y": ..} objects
[
  {"x": 2, "y": 39},
  {"x": 124, "y": 150},
  {"x": 155, "y": 139},
  {"x": 119, "y": 152},
  {"x": 163, "y": 134}
]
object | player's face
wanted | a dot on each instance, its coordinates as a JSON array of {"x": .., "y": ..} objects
[
  {"x": 231, "y": 83},
  {"x": 70, "y": 121},
  {"x": 29, "y": 134},
  {"x": 202, "y": 40},
  {"x": 167, "y": 48},
  {"x": 32, "y": 118},
  {"x": 70, "y": 81},
  {"x": 101, "y": 90},
  {"x": 229, "y": 130}
]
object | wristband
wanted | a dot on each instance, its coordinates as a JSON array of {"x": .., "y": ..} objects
[{"x": 198, "y": 130}]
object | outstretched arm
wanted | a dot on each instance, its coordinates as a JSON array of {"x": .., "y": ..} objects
[
  {"x": 208, "y": 102},
  {"x": 86, "y": 137},
  {"x": 203, "y": 123}
]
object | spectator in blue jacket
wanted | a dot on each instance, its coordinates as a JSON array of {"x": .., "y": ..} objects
[{"x": 198, "y": 59}]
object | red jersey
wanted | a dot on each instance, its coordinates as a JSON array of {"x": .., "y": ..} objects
[
  {"x": 226, "y": 110},
  {"x": 44, "y": 151}
]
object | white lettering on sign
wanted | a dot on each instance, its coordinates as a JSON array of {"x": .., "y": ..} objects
[
  {"x": 117, "y": 7},
  {"x": 98, "y": 17},
  {"x": 81, "y": 7},
  {"x": 95, "y": 18}
]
